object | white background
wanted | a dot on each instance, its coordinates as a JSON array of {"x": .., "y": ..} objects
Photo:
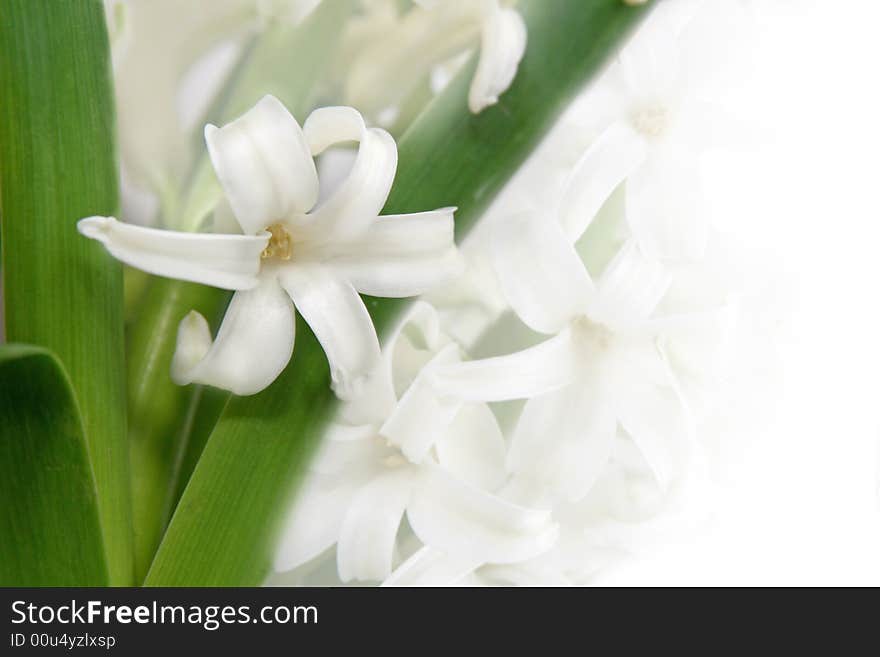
[{"x": 798, "y": 499}]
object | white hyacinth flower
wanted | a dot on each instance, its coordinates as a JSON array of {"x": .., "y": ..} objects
[
  {"x": 603, "y": 365},
  {"x": 434, "y": 460},
  {"x": 653, "y": 121},
  {"x": 428, "y": 36},
  {"x": 292, "y": 254}
]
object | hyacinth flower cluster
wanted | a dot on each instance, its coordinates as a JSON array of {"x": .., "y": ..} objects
[
  {"x": 538, "y": 465},
  {"x": 453, "y": 456}
]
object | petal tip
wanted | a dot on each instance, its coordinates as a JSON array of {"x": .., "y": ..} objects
[
  {"x": 95, "y": 227},
  {"x": 193, "y": 343}
]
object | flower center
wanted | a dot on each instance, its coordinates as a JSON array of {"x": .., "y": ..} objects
[
  {"x": 280, "y": 245},
  {"x": 394, "y": 461},
  {"x": 651, "y": 120},
  {"x": 595, "y": 336}
]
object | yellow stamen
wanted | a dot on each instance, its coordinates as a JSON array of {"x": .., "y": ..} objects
[{"x": 280, "y": 245}]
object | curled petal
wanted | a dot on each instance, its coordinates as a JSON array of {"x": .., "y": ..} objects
[
  {"x": 369, "y": 529},
  {"x": 263, "y": 162},
  {"x": 547, "y": 366},
  {"x": 412, "y": 343},
  {"x": 613, "y": 156},
  {"x": 422, "y": 415},
  {"x": 356, "y": 203},
  {"x": 502, "y": 47},
  {"x": 402, "y": 255},
  {"x": 253, "y": 345},
  {"x": 540, "y": 272},
  {"x": 391, "y": 67},
  {"x": 340, "y": 321},
  {"x": 450, "y": 515},
  {"x": 230, "y": 262}
]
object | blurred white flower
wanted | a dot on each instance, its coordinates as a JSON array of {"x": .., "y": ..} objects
[
  {"x": 433, "y": 33},
  {"x": 293, "y": 254},
  {"x": 653, "y": 120},
  {"x": 608, "y": 361},
  {"x": 165, "y": 85},
  {"x": 149, "y": 74},
  {"x": 411, "y": 453},
  {"x": 602, "y": 365}
]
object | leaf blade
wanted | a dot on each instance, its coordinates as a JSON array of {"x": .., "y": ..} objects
[
  {"x": 49, "y": 515},
  {"x": 57, "y": 164}
]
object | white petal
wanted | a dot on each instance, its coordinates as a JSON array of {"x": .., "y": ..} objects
[
  {"x": 529, "y": 573},
  {"x": 698, "y": 343},
  {"x": 348, "y": 449},
  {"x": 253, "y": 345},
  {"x": 357, "y": 202},
  {"x": 415, "y": 341},
  {"x": 651, "y": 62},
  {"x": 264, "y": 164},
  {"x": 231, "y": 262},
  {"x": 455, "y": 517},
  {"x": 402, "y": 255},
  {"x": 630, "y": 288},
  {"x": 613, "y": 156},
  {"x": 314, "y": 521},
  {"x": 707, "y": 42},
  {"x": 430, "y": 567},
  {"x": 423, "y": 414},
  {"x": 473, "y": 448},
  {"x": 657, "y": 420},
  {"x": 547, "y": 366},
  {"x": 666, "y": 208},
  {"x": 540, "y": 272},
  {"x": 563, "y": 441},
  {"x": 412, "y": 343},
  {"x": 340, "y": 321},
  {"x": 502, "y": 47},
  {"x": 369, "y": 530},
  {"x": 400, "y": 55}
]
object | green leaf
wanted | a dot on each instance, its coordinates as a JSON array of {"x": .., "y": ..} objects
[
  {"x": 49, "y": 511},
  {"x": 157, "y": 407},
  {"x": 57, "y": 164},
  {"x": 227, "y": 521},
  {"x": 285, "y": 61}
]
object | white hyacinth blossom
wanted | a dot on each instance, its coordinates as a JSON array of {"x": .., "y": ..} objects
[
  {"x": 293, "y": 254},
  {"x": 403, "y": 450},
  {"x": 431, "y": 34},
  {"x": 602, "y": 367},
  {"x": 653, "y": 121}
]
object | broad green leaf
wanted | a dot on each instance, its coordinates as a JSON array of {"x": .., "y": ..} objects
[
  {"x": 57, "y": 164},
  {"x": 50, "y": 532},
  {"x": 285, "y": 61},
  {"x": 227, "y": 521}
]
